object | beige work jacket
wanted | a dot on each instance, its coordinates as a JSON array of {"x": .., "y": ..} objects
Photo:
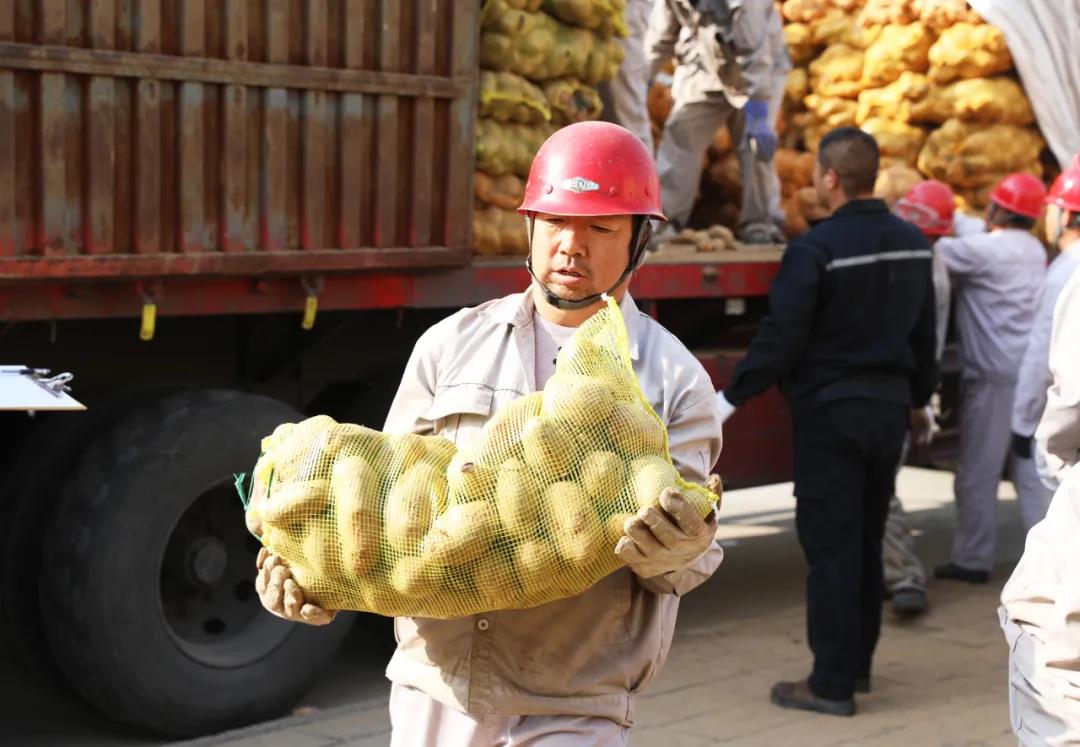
[{"x": 586, "y": 655}]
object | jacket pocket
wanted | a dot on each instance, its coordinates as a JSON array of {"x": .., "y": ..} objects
[
  {"x": 620, "y": 599},
  {"x": 459, "y": 411}
]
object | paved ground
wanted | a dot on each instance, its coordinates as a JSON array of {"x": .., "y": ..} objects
[{"x": 938, "y": 682}]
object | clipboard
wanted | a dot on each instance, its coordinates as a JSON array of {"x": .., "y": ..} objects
[{"x": 33, "y": 389}]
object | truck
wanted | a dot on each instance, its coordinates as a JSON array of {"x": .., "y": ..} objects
[{"x": 222, "y": 216}]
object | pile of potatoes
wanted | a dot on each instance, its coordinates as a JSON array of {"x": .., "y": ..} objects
[
  {"x": 541, "y": 61},
  {"x": 410, "y": 525}
]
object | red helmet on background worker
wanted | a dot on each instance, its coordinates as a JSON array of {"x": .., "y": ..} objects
[
  {"x": 594, "y": 168},
  {"x": 930, "y": 206},
  {"x": 1021, "y": 194},
  {"x": 1064, "y": 202},
  {"x": 1065, "y": 191}
]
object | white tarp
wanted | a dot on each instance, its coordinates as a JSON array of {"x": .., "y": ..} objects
[{"x": 1044, "y": 39}]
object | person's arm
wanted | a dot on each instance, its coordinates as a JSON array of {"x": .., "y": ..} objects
[
  {"x": 942, "y": 304},
  {"x": 660, "y": 36},
  {"x": 1059, "y": 430},
  {"x": 1034, "y": 377},
  {"x": 923, "y": 340},
  {"x": 416, "y": 391},
  {"x": 784, "y": 332},
  {"x": 958, "y": 255},
  {"x": 750, "y": 35}
]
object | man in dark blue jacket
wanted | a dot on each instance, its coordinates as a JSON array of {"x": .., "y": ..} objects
[{"x": 850, "y": 340}]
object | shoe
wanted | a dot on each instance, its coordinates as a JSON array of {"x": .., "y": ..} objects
[
  {"x": 799, "y": 696},
  {"x": 955, "y": 572},
  {"x": 862, "y": 684},
  {"x": 909, "y": 602}
]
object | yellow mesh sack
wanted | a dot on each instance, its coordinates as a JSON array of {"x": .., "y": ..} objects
[
  {"x": 969, "y": 50},
  {"x": 499, "y": 231},
  {"x": 408, "y": 525},
  {"x": 507, "y": 97},
  {"x": 572, "y": 101},
  {"x": 508, "y": 148},
  {"x": 838, "y": 72},
  {"x": 606, "y": 16},
  {"x": 506, "y": 191}
]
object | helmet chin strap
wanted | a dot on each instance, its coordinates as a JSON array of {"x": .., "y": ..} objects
[{"x": 643, "y": 234}]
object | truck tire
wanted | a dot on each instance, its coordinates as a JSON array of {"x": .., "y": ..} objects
[
  {"x": 148, "y": 598},
  {"x": 33, "y": 475}
]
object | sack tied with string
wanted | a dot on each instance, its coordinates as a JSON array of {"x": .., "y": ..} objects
[{"x": 409, "y": 525}]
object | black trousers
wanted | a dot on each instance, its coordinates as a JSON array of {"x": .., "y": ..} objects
[{"x": 846, "y": 454}]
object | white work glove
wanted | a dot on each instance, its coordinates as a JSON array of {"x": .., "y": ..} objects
[
  {"x": 725, "y": 408},
  {"x": 922, "y": 425},
  {"x": 661, "y": 541},
  {"x": 282, "y": 596}
]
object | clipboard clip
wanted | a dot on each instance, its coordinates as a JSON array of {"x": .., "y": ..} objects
[{"x": 55, "y": 385}]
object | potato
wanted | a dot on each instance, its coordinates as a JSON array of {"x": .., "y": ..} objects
[
  {"x": 416, "y": 498},
  {"x": 495, "y": 582},
  {"x": 469, "y": 481},
  {"x": 550, "y": 450},
  {"x": 574, "y": 522},
  {"x": 439, "y": 450},
  {"x": 322, "y": 556},
  {"x": 354, "y": 486},
  {"x": 535, "y": 563},
  {"x": 288, "y": 502},
  {"x": 501, "y": 437},
  {"x": 614, "y": 529},
  {"x": 407, "y": 450},
  {"x": 415, "y": 578},
  {"x": 577, "y": 400},
  {"x": 649, "y": 476},
  {"x": 518, "y": 499},
  {"x": 461, "y": 534},
  {"x": 603, "y": 474},
  {"x": 636, "y": 432}
]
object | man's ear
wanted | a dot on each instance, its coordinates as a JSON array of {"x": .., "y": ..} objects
[{"x": 832, "y": 179}]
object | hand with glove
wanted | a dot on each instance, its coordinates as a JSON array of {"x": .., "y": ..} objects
[
  {"x": 725, "y": 408},
  {"x": 282, "y": 596},
  {"x": 759, "y": 129},
  {"x": 666, "y": 539},
  {"x": 922, "y": 425}
]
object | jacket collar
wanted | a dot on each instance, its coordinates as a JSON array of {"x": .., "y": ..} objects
[
  {"x": 516, "y": 310},
  {"x": 862, "y": 206}
]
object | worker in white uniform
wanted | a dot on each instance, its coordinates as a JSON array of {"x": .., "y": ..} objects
[
  {"x": 995, "y": 278},
  {"x": 625, "y": 97},
  {"x": 1034, "y": 496},
  {"x": 1040, "y": 605},
  {"x": 732, "y": 65},
  {"x": 563, "y": 674}
]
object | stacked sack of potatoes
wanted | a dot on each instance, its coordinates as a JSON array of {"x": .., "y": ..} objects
[
  {"x": 541, "y": 61},
  {"x": 929, "y": 79}
]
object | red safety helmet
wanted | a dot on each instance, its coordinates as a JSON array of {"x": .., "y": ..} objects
[
  {"x": 593, "y": 168},
  {"x": 1065, "y": 191},
  {"x": 930, "y": 206},
  {"x": 1020, "y": 193}
]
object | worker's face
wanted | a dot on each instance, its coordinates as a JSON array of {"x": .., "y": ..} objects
[{"x": 579, "y": 256}]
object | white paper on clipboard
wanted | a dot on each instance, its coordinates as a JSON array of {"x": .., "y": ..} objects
[{"x": 19, "y": 391}]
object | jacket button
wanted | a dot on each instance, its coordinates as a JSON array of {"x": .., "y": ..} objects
[{"x": 483, "y": 624}]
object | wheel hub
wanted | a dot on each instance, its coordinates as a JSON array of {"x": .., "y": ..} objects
[{"x": 206, "y": 561}]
